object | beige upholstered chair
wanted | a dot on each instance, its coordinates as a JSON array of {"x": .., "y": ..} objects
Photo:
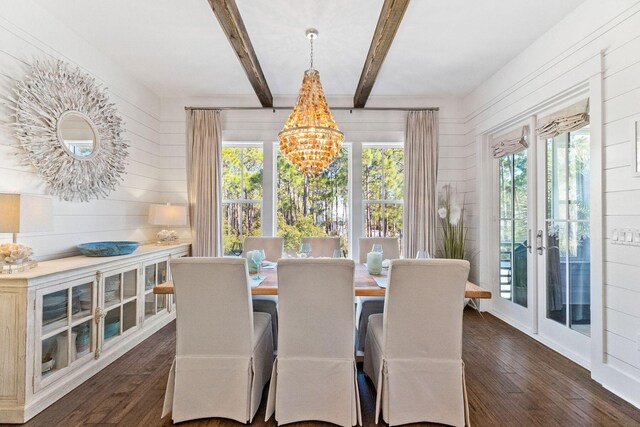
[
  {"x": 272, "y": 246},
  {"x": 413, "y": 352},
  {"x": 372, "y": 305},
  {"x": 390, "y": 247},
  {"x": 322, "y": 246},
  {"x": 224, "y": 351},
  {"x": 314, "y": 375}
]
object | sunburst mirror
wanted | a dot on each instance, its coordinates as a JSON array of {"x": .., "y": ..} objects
[{"x": 69, "y": 131}]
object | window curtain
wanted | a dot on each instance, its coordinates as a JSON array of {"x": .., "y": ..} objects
[
  {"x": 566, "y": 120},
  {"x": 421, "y": 176},
  {"x": 510, "y": 143},
  {"x": 204, "y": 178}
]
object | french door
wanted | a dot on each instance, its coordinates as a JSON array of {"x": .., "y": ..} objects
[
  {"x": 563, "y": 242},
  {"x": 543, "y": 241}
]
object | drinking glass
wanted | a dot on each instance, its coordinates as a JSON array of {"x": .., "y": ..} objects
[
  {"x": 236, "y": 248},
  {"x": 305, "y": 249},
  {"x": 336, "y": 253},
  {"x": 422, "y": 254},
  {"x": 257, "y": 257},
  {"x": 377, "y": 248}
]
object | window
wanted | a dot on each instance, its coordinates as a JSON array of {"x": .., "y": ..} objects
[
  {"x": 382, "y": 191},
  {"x": 313, "y": 206},
  {"x": 512, "y": 171},
  {"x": 264, "y": 194},
  {"x": 242, "y": 170}
]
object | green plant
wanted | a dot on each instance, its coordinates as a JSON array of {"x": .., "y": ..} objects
[{"x": 454, "y": 233}]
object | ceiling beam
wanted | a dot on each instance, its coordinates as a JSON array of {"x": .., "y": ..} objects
[
  {"x": 231, "y": 22},
  {"x": 388, "y": 24}
]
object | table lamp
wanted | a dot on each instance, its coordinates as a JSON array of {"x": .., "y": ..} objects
[
  {"x": 167, "y": 216},
  {"x": 22, "y": 213}
]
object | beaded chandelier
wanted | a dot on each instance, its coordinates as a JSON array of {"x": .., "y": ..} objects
[{"x": 310, "y": 138}]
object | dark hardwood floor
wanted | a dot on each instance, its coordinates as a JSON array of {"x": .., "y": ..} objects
[{"x": 512, "y": 380}]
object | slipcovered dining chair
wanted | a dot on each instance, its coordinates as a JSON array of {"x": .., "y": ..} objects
[
  {"x": 413, "y": 352},
  {"x": 314, "y": 375},
  {"x": 273, "y": 248},
  {"x": 224, "y": 351},
  {"x": 323, "y": 246},
  {"x": 390, "y": 247},
  {"x": 371, "y": 305}
]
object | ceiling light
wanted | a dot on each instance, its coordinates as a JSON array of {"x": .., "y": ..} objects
[{"x": 310, "y": 138}]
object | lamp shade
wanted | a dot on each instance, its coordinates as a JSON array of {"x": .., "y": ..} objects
[
  {"x": 167, "y": 215},
  {"x": 25, "y": 213}
]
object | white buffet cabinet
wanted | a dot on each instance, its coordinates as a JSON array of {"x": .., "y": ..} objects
[{"x": 65, "y": 320}]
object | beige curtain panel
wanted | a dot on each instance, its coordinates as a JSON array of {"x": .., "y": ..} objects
[
  {"x": 511, "y": 143},
  {"x": 421, "y": 177},
  {"x": 566, "y": 120},
  {"x": 204, "y": 179}
]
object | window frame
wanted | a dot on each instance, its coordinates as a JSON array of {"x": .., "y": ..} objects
[
  {"x": 260, "y": 202},
  {"x": 383, "y": 201},
  {"x": 356, "y": 202}
]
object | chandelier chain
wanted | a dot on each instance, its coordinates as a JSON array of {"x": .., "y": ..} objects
[{"x": 311, "y": 40}]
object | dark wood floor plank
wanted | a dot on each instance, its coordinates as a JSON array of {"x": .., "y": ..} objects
[{"x": 512, "y": 380}]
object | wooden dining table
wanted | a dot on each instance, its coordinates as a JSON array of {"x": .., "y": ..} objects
[{"x": 365, "y": 285}]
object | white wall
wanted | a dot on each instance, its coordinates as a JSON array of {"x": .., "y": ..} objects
[
  {"x": 567, "y": 54},
  {"x": 28, "y": 33}
]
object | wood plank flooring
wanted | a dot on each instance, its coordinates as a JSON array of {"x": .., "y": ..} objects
[{"x": 512, "y": 380}]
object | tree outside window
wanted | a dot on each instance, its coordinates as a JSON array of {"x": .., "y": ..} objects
[
  {"x": 242, "y": 174},
  {"x": 313, "y": 206},
  {"x": 382, "y": 191}
]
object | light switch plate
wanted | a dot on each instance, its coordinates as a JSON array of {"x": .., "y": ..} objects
[
  {"x": 615, "y": 237},
  {"x": 636, "y": 237},
  {"x": 622, "y": 237}
]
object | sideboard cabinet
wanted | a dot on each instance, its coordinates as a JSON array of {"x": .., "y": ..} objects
[{"x": 65, "y": 320}]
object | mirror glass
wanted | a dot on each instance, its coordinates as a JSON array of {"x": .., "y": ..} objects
[{"x": 77, "y": 135}]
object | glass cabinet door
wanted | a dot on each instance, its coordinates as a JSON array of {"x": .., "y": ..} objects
[
  {"x": 66, "y": 327},
  {"x": 155, "y": 273},
  {"x": 119, "y": 303}
]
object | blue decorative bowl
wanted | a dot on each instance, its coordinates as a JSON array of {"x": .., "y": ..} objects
[{"x": 108, "y": 248}]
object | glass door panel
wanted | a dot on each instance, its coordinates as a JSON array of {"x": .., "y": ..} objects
[
  {"x": 82, "y": 341},
  {"x": 112, "y": 287},
  {"x": 513, "y": 238},
  {"x": 112, "y": 324},
  {"x": 54, "y": 311},
  {"x": 149, "y": 276},
  {"x": 568, "y": 263}
]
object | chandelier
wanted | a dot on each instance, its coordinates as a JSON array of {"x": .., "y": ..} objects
[{"x": 310, "y": 138}]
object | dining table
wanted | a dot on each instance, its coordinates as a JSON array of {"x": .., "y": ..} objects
[{"x": 365, "y": 284}]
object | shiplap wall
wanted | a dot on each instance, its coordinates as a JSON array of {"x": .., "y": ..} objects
[
  {"x": 358, "y": 127},
  {"x": 565, "y": 55},
  {"x": 28, "y": 33}
]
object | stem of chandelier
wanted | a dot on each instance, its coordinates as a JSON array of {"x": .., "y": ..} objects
[{"x": 311, "y": 41}]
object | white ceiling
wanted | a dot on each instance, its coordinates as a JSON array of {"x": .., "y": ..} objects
[{"x": 176, "y": 47}]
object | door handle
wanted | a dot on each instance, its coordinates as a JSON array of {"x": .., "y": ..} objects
[
  {"x": 539, "y": 246},
  {"x": 529, "y": 245}
]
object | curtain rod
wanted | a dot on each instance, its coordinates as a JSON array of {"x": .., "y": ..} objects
[{"x": 351, "y": 109}]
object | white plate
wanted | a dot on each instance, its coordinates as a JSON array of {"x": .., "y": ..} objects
[
  {"x": 381, "y": 281},
  {"x": 254, "y": 281}
]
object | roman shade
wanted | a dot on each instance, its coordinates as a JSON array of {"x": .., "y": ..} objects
[
  {"x": 510, "y": 143},
  {"x": 568, "y": 119}
]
